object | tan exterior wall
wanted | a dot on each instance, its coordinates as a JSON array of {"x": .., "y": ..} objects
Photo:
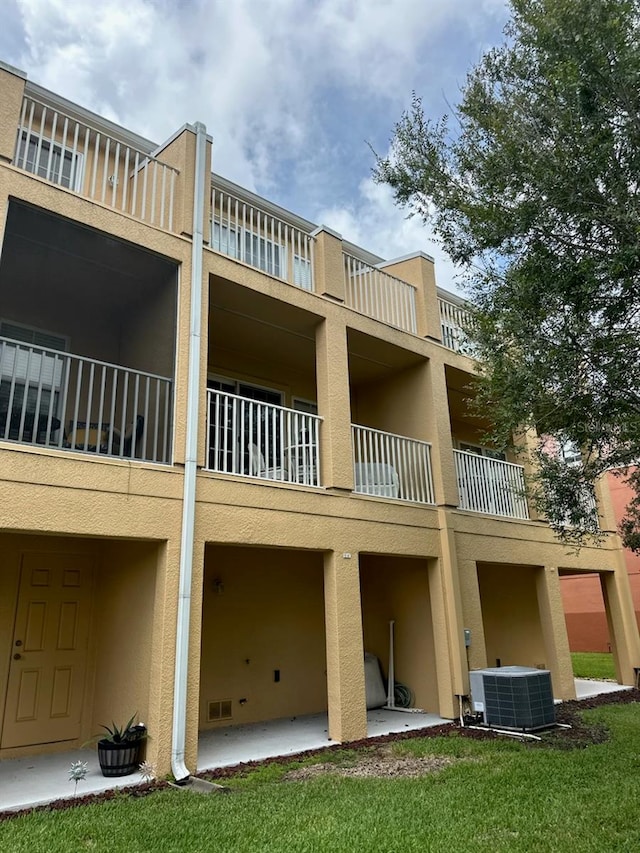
[
  {"x": 394, "y": 589},
  {"x": 11, "y": 91},
  {"x": 262, "y": 612},
  {"x": 510, "y": 616}
]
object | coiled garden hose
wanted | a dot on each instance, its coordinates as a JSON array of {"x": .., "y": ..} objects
[{"x": 402, "y": 695}]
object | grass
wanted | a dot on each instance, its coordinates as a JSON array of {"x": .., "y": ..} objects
[
  {"x": 500, "y": 795},
  {"x": 593, "y": 665}
]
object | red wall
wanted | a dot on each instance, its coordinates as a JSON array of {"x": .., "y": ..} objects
[{"x": 582, "y": 595}]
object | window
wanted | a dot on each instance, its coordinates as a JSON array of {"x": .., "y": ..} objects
[
  {"x": 483, "y": 451},
  {"x": 253, "y": 249},
  {"x": 225, "y": 239},
  {"x": 302, "y": 272},
  {"x": 49, "y": 160},
  {"x": 306, "y": 406},
  {"x": 30, "y": 380}
]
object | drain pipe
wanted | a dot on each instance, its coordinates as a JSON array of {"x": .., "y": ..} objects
[{"x": 178, "y": 767}]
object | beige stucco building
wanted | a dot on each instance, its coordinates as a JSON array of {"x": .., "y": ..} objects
[{"x": 233, "y": 447}]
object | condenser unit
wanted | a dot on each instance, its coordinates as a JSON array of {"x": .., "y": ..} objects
[{"x": 513, "y": 697}]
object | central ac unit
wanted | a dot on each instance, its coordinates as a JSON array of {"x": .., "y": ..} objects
[{"x": 513, "y": 697}]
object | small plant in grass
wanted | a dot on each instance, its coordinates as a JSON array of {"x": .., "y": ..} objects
[
  {"x": 148, "y": 771},
  {"x": 78, "y": 773}
]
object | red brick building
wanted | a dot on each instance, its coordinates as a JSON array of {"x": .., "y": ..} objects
[{"x": 582, "y": 595}]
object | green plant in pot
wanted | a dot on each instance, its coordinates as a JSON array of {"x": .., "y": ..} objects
[{"x": 120, "y": 751}]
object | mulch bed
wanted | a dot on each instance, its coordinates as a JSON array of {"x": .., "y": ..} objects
[{"x": 580, "y": 735}]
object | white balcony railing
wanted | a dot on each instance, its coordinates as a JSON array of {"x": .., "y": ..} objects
[
  {"x": 453, "y": 320},
  {"x": 391, "y": 466},
  {"x": 490, "y": 485},
  {"x": 74, "y": 155},
  {"x": 246, "y": 437},
  {"x": 379, "y": 295},
  {"x": 59, "y": 400},
  {"x": 257, "y": 238}
]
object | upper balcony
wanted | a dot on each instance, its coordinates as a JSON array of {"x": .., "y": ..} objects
[
  {"x": 490, "y": 485},
  {"x": 379, "y": 295},
  {"x": 62, "y": 148},
  {"x": 266, "y": 237},
  {"x": 87, "y": 340},
  {"x": 257, "y": 235},
  {"x": 454, "y": 317},
  {"x": 61, "y": 400}
]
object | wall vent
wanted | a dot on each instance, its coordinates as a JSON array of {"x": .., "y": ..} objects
[{"x": 220, "y": 709}]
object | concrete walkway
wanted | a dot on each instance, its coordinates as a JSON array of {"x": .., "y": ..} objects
[{"x": 26, "y": 782}]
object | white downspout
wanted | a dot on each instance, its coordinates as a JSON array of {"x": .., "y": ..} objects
[{"x": 178, "y": 742}]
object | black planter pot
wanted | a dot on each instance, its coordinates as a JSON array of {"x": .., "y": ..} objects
[{"x": 119, "y": 759}]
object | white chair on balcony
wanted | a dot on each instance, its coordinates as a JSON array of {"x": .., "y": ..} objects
[
  {"x": 259, "y": 468},
  {"x": 376, "y": 478}
]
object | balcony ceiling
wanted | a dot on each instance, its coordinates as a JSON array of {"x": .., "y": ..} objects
[
  {"x": 260, "y": 327},
  {"x": 81, "y": 266},
  {"x": 372, "y": 359}
]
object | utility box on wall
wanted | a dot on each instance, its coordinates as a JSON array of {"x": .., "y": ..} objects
[{"x": 513, "y": 697}]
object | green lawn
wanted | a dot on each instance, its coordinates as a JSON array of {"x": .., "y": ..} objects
[
  {"x": 498, "y": 796},
  {"x": 593, "y": 665}
]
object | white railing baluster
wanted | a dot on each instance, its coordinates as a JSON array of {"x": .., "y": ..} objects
[
  {"x": 379, "y": 295},
  {"x": 154, "y": 184},
  {"x": 280, "y": 444},
  {"x": 453, "y": 319},
  {"x": 55, "y": 403},
  {"x": 63, "y": 161},
  {"x": 255, "y": 237},
  {"x": 391, "y": 466},
  {"x": 490, "y": 485}
]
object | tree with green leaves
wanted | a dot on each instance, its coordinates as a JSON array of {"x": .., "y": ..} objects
[{"x": 533, "y": 187}]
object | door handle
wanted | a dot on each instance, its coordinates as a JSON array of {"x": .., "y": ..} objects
[{"x": 17, "y": 656}]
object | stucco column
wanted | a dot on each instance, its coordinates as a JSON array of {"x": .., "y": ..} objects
[
  {"x": 332, "y": 372},
  {"x": 554, "y": 632},
  {"x": 163, "y": 657},
  {"x": 12, "y": 82},
  {"x": 328, "y": 263},
  {"x": 345, "y": 652},
  {"x": 445, "y": 481},
  {"x": 195, "y": 642},
  {"x": 472, "y": 611},
  {"x": 528, "y": 441},
  {"x": 448, "y": 628},
  {"x": 623, "y": 628},
  {"x": 180, "y": 152}
]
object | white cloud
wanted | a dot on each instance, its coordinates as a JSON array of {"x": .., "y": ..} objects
[
  {"x": 377, "y": 224},
  {"x": 277, "y": 82}
]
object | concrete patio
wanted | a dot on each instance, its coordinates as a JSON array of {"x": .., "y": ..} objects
[{"x": 27, "y": 782}]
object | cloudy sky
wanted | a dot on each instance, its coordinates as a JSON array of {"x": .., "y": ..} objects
[{"x": 293, "y": 92}]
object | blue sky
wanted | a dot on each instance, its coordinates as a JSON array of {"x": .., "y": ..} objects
[{"x": 290, "y": 90}]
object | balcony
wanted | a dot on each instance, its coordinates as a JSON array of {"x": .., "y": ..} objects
[
  {"x": 379, "y": 295},
  {"x": 490, "y": 485},
  {"x": 260, "y": 239},
  {"x": 454, "y": 318},
  {"x": 391, "y": 466},
  {"x": 254, "y": 439},
  {"x": 55, "y": 399},
  {"x": 89, "y": 162}
]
